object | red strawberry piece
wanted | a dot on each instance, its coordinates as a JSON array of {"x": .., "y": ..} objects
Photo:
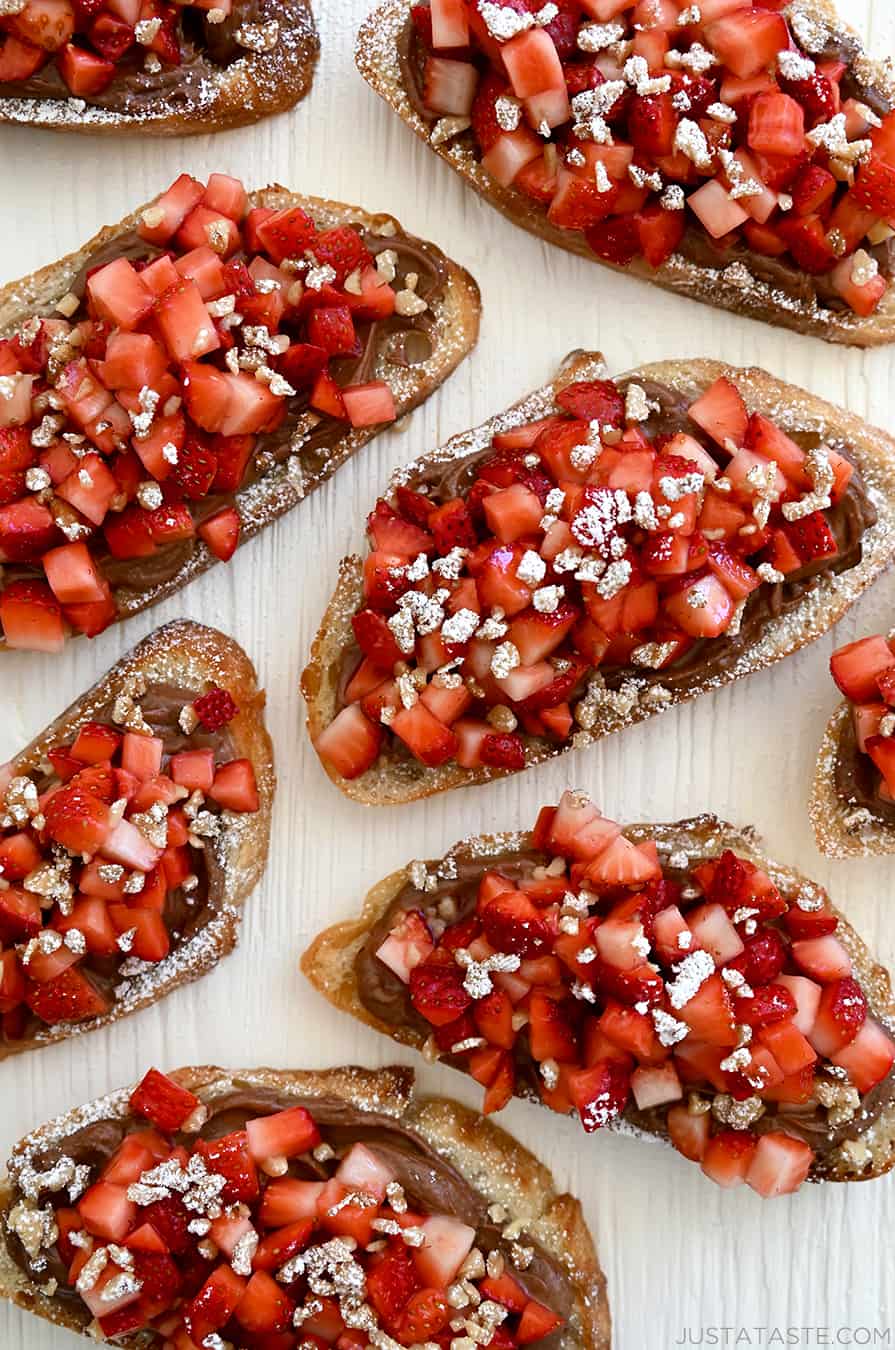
[
  {"x": 729, "y": 882},
  {"x": 195, "y": 469},
  {"x": 27, "y": 530},
  {"x": 19, "y": 855},
  {"x": 699, "y": 90},
  {"x": 808, "y": 242},
  {"x": 816, "y": 95},
  {"x": 812, "y": 537},
  {"x": 536, "y": 1323},
  {"x": 162, "y": 1101},
  {"x": 652, "y": 122},
  {"x": 552, "y": 1032},
  {"x": 616, "y": 240},
  {"x": 503, "y": 750},
  {"x": 727, "y": 1157},
  {"x": 160, "y": 1279},
  {"x": 451, "y": 526},
  {"x": 111, "y": 36},
  {"x": 301, "y": 363},
  {"x": 385, "y": 579},
  {"x": 171, "y": 1219},
  {"x": 485, "y": 126},
  {"x": 392, "y": 534},
  {"x": 762, "y": 959},
  {"x": 600, "y": 1093},
  {"x": 215, "y": 708},
  {"x": 513, "y": 924},
  {"x": 582, "y": 75},
  {"x": 70, "y": 997},
  {"x": 332, "y": 329},
  {"x": 842, "y": 1013},
  {"x": 424, "y": 1317},
  {"x": 504, "y": 1290},
  {"x": 875, "y": 186},
  {"x": 392, "y": 1281},
  {"x": 594, "y": 401},
  {"x": 264, "y": 1308},
  {"x": 214, "y": 1304},
  {"x": 279, "y": 1247},
  {"x": 414, "y": 507},
  {"x": 559, "y": 689},
  {"x": 375, "y": 639},
  {"x": 769, "y": 1003},
  {"x": 77, "y": 819},
  {"x": 287, "y": 234},
  {"x": 813, "y": 187},
  {"x": 342, "y": 249},
  {"x": 234, "y": 786},
  {"x": 803, "y": 923},
  {"x": 283, "y": 1134},
  {"x": 421, "y": 18},
  {"x": 19, "y": 60},
  {"x": 437, "y": 992},
  {"x": 231, "y": 1157},
  {"x": 221, "y": 532}
]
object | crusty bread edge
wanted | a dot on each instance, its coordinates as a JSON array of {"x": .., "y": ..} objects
[
  {"x": 329, "y": 961},
  {"x": 193, "y": 655},
  {"x": 256, "y": 85},
  {"x": 457, "y": 316},
  {"x": 392, "y": 780},
  {"x": 376, "y": 55},
  {"x": 491, "y": 1160}
]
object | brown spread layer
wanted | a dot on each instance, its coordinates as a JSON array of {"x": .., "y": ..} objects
[
  {"x": 394, "y": 337},
  {"x": 432, "y": 1185},
  {"x": 385, "y": 997},
  {"x": 184, "y": 914},
  {"x": 858, "y": 780},
  {"x": 696, "y": 247}
]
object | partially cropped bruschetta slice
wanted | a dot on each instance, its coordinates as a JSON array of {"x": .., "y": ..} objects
[
  {"x": 740, "y": 154},
  {"x": 601, "y": 551},
  {"x": 152, "y": 67},
  {"x": 669, "y": 978},
  {"x": 192, "y": 373},
  {"x": 132, "y": 831},
  {"x": 256, "y": 1208},
  {"x": 853, "y": 796}
]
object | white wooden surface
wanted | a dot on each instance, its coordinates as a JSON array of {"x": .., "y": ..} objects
[{"x": 680, "y": 1255}]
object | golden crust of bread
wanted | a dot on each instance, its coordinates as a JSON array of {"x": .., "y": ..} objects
[
  {"x": 393, "y": 779},
  {"x": 194, "y": 657},
  {"x": 491, "y": 1161},
  {"x": 454, "y": 334},
  {"x": 732, "y": 288},
  {"x": 256, "y": 85},
  {"x": 329, "y": 961}
]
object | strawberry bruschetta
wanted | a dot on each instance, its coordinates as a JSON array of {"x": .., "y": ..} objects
[
  {"x": 603, "y": 550},
  {"x": 192, "y": 373},
  {"x": 853, "y": 797},
  {"x": 261, "y": 1208},
  {"x": 150, "y": 67},
  {"x": 132, "y": 831},
  {"x": 739, "y": 153},
  {"x": 669, "y": 978}
]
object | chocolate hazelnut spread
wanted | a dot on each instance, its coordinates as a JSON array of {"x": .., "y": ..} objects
[
  {"x": 391, "y": 336},
  {"x": 385, "y": 997},
  {"x": 186, "y": 913},
  {"x": 430, "y": 1183}
]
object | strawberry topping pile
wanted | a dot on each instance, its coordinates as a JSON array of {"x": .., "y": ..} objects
[
  {"x": 584, "y": 540},
  {"x": 865, "y": 672},
  {"x": 98, "y": 855},
  {"x": 644, "y": 125},
  {"x": 89, "y": 42},
  {"x": 688, "y": 994},
  {"x": 268, "y": 1238},
  {"x": 131, "y": 415}
]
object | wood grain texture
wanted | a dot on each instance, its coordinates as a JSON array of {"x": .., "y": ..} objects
[{"x": 678, "y": 1253}]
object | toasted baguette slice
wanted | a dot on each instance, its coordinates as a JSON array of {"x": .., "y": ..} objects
[
  {"x": 201, "y": 96},
  {"x": 396, "y": 778},
  {"x": 490, "y": 1161},
  {"x": 298, "y": 471},
  {"x": 329, "y": 963},
  {"x": 188, "y": 657},
  {"x": 380, "y": 56},
  {"x": 843, "y": 830}
]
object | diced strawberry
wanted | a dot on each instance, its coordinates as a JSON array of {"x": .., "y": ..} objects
[
  {"x": 428, "y": 739},
  {"x": 812, "y": 537},
  {"x": 437, "y": 992},
  {"x": 622, "y": 863},
  {"x": 351, "y": 743},
  {"x": 214, "y": 1304},
  {"x": 824, "y": 958},
  {"x": 616, "y": 240},
  {"x": 234, "y": 786},
  {"x": 513, "y": 924},
  {"x": 779, "y": 1165},
  {"x": 868, "y": 1058},
  {"x": 283, "y": 1134},
  {"x": 709, "y": 1013},
  {"x": 599, "y": 1093},
  {"x": 163, "y": 1101},
  {"x": 840, "y": 1016},
  {"x": 392, "y": 1280},
  {"x": 264, "y": 1307},
  {"x": 31, "y": 617},
  {"x": 857, "y": 666},
  {"x": 231, "y": 1157},
  {"x": 721, "y": 412},
  {"x": 449, "y": 86},
  {"x": 689, "y": 1131},
  {"x": 446, "y": 1244}
]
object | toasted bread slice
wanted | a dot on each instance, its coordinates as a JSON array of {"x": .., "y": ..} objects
[
  {"x": 497, "y": 1169},
  {"x": 179, "y": 660},
  {"x": 843, "y": 829},
  {"x": 292, "y": 468},
  {"x": 782, "y": 294},
  {"x": 330, "y": 962},
  {"x": 236, "y": 74},
  {"x": 399, "y": 777}
]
